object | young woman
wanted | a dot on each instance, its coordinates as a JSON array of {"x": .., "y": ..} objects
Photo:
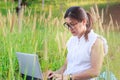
[{"x": 86, "y": 49}]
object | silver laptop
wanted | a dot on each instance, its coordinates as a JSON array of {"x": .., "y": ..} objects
[{"x": 29, "y": 65}]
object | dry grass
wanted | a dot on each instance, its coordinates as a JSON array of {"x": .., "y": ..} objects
[{"x": 48, "y": 38}]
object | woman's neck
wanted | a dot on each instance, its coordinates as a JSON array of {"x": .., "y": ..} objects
[{"x": 81, "y": 34}]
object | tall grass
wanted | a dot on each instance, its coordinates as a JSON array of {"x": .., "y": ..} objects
[
  {"x": 111, "y": 33},
  {"x": 47, "y": 37}
]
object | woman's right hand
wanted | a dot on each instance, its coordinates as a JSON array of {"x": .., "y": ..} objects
[{"x": 50, "y": 74}]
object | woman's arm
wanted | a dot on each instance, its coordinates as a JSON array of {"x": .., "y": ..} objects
[
  {"x": 62, "y": 69},
  {"x": 58, "y": 73},
  {"x": 97, "y": 56}
]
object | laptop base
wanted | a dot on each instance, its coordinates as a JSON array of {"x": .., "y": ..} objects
[{"x": 26, "y": 77}]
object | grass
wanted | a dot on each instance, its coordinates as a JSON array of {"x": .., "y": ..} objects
[
  {"x": 46, "y": 36},
  {"x": 44, "y": 39},
  {"x": 57, "y": 7}
]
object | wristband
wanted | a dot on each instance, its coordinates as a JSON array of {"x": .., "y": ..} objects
[
  {"x": 62, "y": 76},
  {"x": 70, "y": 76}
]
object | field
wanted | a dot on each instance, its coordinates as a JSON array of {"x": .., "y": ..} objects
[{"x": 45, "y": 35}]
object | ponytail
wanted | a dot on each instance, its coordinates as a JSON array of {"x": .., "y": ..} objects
[{"x": 88, "y": 25}]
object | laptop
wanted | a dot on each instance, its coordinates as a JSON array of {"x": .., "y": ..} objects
[{"x": 29, "y": 66}]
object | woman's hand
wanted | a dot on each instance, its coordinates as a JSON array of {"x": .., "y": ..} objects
[
  {"x": 61, "y": 77},
  {"x": 50, "y": 74},
  {"x": 54, "y": 76}
]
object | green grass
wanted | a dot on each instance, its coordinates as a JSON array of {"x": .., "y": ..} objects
[
  {"x": 45, "y": 35},
  {"x": 5, "y": 6},
  {"x": 114, "y": 50},
  {"x": 43, "y": 40},
  {"x": 46, "y": 41},
  {"x": 57, "y": 7}
]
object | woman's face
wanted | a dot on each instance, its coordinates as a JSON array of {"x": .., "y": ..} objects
[{"x": 75, "y": 27}]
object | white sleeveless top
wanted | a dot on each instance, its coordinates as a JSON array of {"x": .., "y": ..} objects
[{"x": 78, "y": 57}]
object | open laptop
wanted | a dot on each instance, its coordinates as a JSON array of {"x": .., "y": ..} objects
[{"x": 29, "y": 66}]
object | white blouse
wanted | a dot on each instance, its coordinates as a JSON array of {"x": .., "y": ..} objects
[{"x": 78, "y": 57}]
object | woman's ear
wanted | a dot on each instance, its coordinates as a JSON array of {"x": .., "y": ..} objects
[{"x": 84, "y": 21}]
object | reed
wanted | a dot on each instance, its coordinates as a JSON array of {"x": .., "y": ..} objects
[{"x": 46, "y": 36}]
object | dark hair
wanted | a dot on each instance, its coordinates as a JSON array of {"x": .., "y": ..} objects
[{"x": 79, "y": 14}]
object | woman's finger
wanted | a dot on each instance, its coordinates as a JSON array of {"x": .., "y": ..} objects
[
  {"x": 51, "y": 76},
  {"x": 49, "y": 72},
  {"x": 58, "y": 79},
  {"x": 58, "y": 76}
]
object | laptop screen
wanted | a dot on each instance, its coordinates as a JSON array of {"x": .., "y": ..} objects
[{"x": 29, "y": 65}]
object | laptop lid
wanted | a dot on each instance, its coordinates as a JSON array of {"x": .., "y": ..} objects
[{"x": 29, "y": 65}]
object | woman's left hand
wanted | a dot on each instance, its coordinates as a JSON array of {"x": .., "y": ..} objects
[{"x": 60, "y": 77}]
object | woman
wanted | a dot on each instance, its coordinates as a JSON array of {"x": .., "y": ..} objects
[{"x": 86, "y": 49}]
